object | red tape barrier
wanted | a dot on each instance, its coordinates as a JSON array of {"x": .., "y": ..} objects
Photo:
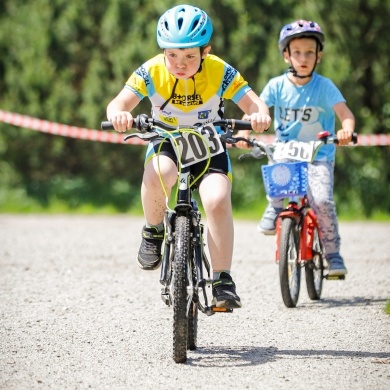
[
  {"x": 31, "y": 123},
  {"x": 41, "y": 125}
]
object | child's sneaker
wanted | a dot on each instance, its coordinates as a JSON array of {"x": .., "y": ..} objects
[
  {"x": 149, "y": 255},
  {"x": 336, "y": 265},
  {"x": 224, "y": 292},
  {"x": 267, "y": 224}
]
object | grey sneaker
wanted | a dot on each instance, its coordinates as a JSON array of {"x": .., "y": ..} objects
[
  {"x": 336, "y": 265},
  {"x": 224, "y": 293},
  {"x": 268, "y": 221},
  {"x": 149, "y": 254}
]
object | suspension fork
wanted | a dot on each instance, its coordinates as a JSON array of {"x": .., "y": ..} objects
[
  {"x": 199, "y": 255},
  {"x": 183, "y": 205},
  {"x": 166, "y": 264}
]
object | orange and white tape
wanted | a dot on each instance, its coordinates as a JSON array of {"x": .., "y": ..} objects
[
  {"x": 31, "y": 123},
  {"x": 373, "y": 140},
  {"x": 44, "y": 126}
]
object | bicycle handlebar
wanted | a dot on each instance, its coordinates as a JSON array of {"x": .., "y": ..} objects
[
  {"x": 327, "y": 138},
  {"x": 145, "y": 124},
  {"x": 262, "y": 149}
]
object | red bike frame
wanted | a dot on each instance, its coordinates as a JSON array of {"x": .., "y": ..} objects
[{"x": 307, "y": 219}]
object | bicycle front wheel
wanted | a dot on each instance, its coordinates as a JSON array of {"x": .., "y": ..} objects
[
  {"x": 314, "y": 269},
  {"x": 192, "y": 333},
  {"x": 289, "y": 267},
  {"x": 180, "y": 297}
]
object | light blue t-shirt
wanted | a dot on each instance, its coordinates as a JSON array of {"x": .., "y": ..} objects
[{"x": 301, "y": 112}]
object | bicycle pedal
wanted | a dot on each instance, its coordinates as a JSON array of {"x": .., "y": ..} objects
[
  {"x": 334, "y": 277},
  {"x": 221, "y": 309}
]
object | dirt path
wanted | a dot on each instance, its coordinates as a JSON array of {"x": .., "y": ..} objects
[{"x": 77, "y": 313}]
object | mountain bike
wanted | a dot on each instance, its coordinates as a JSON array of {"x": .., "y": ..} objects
[
  {"x": 184, "y": 261},
  {"x": 298, "y": 237}
]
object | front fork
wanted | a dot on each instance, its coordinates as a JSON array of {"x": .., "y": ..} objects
[
  {"x": 167, "y": 257},
  {"x": 307, "y": 221},
  {"x": 307, "y": 235},
  {"x": 197, "y": 283},
  {"x": 197, "y": 258}
]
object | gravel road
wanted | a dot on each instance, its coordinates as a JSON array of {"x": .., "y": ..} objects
[{"x": 76, "y": 312}]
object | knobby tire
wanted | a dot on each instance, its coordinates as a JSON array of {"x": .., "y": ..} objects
[
  {"x": 289, "y": 266},
  {"x": 192, "y": 327},
  {"x": 180, "y": 320}
]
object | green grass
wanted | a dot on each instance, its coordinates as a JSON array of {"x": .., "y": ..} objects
[
  {"x": 17, "y": 202},
  {"x": 253, "y": 213},
  {"x": 387, "y": 307}
]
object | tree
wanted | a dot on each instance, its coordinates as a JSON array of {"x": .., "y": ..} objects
[{"x": 64, "y": 60}]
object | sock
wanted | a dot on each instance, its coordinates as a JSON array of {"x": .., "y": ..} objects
[
  {"x": 159, "y": 228},
  {"x": 216, "y": 275}
]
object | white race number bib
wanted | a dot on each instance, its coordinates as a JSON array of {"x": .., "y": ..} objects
[
  {"x": 194, "y": 148},
  {"x": 296, "y": 150}
]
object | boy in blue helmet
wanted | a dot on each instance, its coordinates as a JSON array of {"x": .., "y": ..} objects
[
  {"x": 187, "y": 85},
  {"x": 305, "y": 103}
]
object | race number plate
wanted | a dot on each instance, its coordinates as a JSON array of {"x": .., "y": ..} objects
[
  {"x": 197, "y": 147},
  {"x": 295, "y": 150}
]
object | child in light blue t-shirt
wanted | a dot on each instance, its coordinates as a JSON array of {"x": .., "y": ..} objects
[{"x": 306, "y": 103}]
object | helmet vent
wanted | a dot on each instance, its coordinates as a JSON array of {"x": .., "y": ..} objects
[
  {"x": 180, "y": 23},
  {"x": 196, "y": 22}
]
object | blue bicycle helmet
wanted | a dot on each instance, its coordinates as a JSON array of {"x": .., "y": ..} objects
[
  {"x": 183, "y": 27},
  {"x": 300, "y": 28}
]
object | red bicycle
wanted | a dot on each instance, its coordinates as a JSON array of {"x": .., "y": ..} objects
[{"x": 298, "y": 238}]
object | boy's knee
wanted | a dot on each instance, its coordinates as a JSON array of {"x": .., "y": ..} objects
[
  {"x": 216, "y": 202},
  {"x": 325, "y": 206}
]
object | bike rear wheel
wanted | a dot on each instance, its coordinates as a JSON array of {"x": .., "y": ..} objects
[
  {"x": 289, "y": 266},
  {"x": 180, "y": 296},
  {"x": 314, "y": 269}
]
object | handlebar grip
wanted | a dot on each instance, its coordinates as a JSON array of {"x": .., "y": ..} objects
[
  {"x": 137, "y": 123},
  {"x": 106, "y": 125},
  {"x": 354, "y": 139},
  {"x": 240, "y": 124}
]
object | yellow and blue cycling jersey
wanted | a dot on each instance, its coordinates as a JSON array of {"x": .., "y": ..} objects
[
  {"x": 190, "y": 101},
  {"x": 198, "y": 99}
]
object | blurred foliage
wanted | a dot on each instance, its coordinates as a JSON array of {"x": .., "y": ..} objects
[{"x": 63, "y": 61}]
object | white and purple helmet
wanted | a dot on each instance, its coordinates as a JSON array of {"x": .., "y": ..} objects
[{"x": 300, "y": 28}]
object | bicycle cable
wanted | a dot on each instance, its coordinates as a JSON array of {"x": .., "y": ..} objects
[{"x": 171, "y": 135}]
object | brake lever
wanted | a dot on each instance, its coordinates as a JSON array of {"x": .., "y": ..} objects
[
  {"x": 228, "y": 138},
  {"x": 256, "y": 153},
  {"x": 150, "y": 136},
  {"x": 242, "y": 156},
  {"x": 248, "y": 141}
]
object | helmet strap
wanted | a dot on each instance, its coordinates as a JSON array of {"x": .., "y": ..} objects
[
  {"x": 295, "y": 74},
  {"x": 170, "y": 97}
]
